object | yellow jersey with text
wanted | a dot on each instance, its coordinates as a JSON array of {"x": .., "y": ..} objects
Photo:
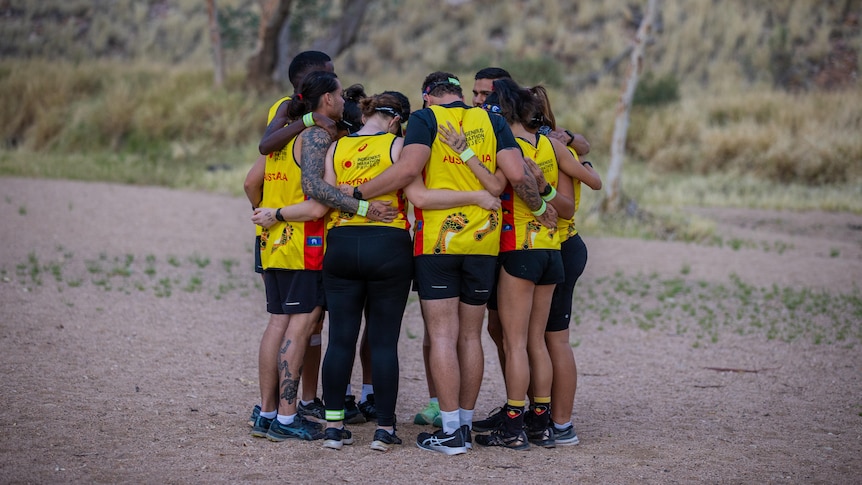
[
  {"x": 289, "y": 245},
  {"x": 521, "y": 229},
  {"x": 358, "y": 159},
  {"x": 462, "y": 230}
]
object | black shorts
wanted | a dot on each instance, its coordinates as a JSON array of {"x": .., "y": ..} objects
[
  {"x": 258, "y": 266},
  {"x": 574, "y": 254},
  {"x": 541, "y": 266},
  {"x": 468, "y": 277},
  {"x": 292, "y": 292}
]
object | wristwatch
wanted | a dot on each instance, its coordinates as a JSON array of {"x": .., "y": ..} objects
[
  {"x": 278, "y": 216},
  {"x": 547, "y": 191},
  {"x": 356, "y": 193},
  {"x": 571, "y": 137}
]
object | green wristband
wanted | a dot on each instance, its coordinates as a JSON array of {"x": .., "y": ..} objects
[
  {"x": 551, "y": 195},
  {"x": 541, "y": 210},
  {"x": 467, "y": 154},
  {"x": 308, "y": 119},
  {"x": 363, "y": 208}
]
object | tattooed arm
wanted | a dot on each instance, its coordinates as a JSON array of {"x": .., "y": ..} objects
[
  {"x": 524, "y": 184},
  {"x": 315, "y": 143}
]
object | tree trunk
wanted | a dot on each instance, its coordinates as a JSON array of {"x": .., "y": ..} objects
[
  {"x": 613, "y": 199},
  {"x": 215, "y": 40},
  {"x": 261, "y": 64},
  {"x": 337, "y": 39}
]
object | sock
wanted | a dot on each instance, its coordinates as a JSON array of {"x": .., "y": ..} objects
[
  {"x": 349, "y": 391},
  {"x": 541, "y": 409},
  {"x": 514, "y": 416},
  {"x": 366, "y": 390},
  {"x": 269, "y": 414},
  {"x": 435, "y": 401},
  {"x": 304, "y": 402},
  {"x": 562, "y": 427},
  {"x": 451, "y": 421},
  {"x": 285, "y": 418},
  {"x": 466, "y": 416}
]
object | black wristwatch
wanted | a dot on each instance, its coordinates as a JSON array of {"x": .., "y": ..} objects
[
  {"x": 587, "y": 162},
  {"x": 356, "y": 193},
  {"x": 547, "y": 191},
  {"x": 278, "y": 216},
  {"x": 571, "y": 139}
]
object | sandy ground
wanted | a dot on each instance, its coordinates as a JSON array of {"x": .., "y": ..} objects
[{"x": 130, "y": 320}]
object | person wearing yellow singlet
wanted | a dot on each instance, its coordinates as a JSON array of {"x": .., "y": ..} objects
[
  {"x": 292, "y": 248},
  {"x": 304, "y": 63},
  {"x": 529, "y": 265},
  {"x": 574, "y": 254}
]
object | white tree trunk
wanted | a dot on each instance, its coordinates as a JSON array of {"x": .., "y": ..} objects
[
  {"x": 215, "y": 40},
  {"x": 613, "y": 200}
]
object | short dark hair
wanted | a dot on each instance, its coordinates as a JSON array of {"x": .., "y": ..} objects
[
  {"x": 493, "y": 73},
  {"x": 304, "y": 63},
  {"x": 440, "y": 83}
]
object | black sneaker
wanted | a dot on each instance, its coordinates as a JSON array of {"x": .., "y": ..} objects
[
  {"x": 448, "y": 444},
  {"x": 492, "y": 422},
  {"x": 335, "y": 438},
  {"x": 384, "y": 440},
  {"x": 261, "y": 426},
  {"x": 352, "y": 414},
  {"x": 314, "y": 411},
  {"x": 300, "y": 428},
  {"x": 468, "y": 436},
  {"x": 368, "y": 409},
  {"x": 254, "y": 414},
  {"x": 506, "y": 439}
]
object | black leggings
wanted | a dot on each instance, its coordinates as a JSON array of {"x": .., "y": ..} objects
[{"x": 366, "y": 269}]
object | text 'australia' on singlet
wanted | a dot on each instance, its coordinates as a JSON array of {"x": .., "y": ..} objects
[
  {"x": 358, "y": 159},
  {"x": 462, "y": 230},
  {"x": 289, "y": 245},
  {"x": 521, "y": 229}
]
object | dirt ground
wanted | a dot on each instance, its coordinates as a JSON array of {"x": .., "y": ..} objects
[{"x": 130, "y": 319}]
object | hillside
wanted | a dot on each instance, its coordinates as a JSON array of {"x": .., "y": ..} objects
[{"x": 793, "y": 43}]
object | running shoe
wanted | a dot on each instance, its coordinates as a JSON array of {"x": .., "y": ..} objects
[
  {"x": 300, "y": 428},
  {"x": 427, "y": 415},
  {"x": 261, "y": 426},
  {"x": 384, "y": 440},
  {"x": 448, "y": 444},
  {"x": 314, "y": 411},
  {"x": 254, "y": 414},
  {"x": 369, "y": 410},
  {"x": 468, "y": 436},
  {"x": 505, "y": 439},
  {"x": 336, "y": 438},
  {"x": 492, "y": 422},
  {"x": 543, "y": 437},
  {"x": 352, "y": 414},
  {"x": 566, "y": 437}
]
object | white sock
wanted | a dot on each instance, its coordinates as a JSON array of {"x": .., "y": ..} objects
[
  {"x": 269, "y": 414},
  {"x": 435, "y": 401},
  {"x": 285, "y": 419},
  {"x": 466, "y": 416},
  {"x": 451, "y": 421},
  {"x": 304, "y": 402},
  {"x": 561, "y": 427},
  {"x": 366, "y": 390}
]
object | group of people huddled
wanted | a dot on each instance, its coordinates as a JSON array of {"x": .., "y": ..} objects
[{"x": 494, "y": 189}]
